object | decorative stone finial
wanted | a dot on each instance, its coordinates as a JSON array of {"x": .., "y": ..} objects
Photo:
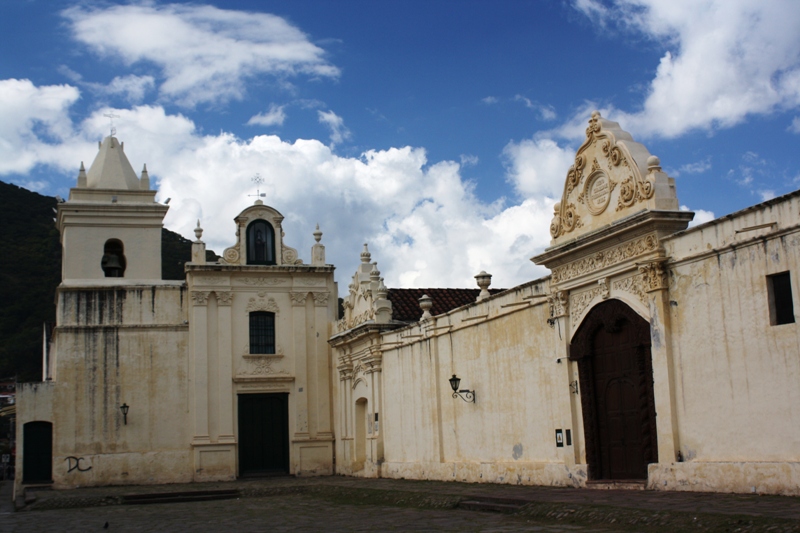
[
  {"x": 374, "y": 274},
  {"x": 82, "y": 176},
  {"x": 144, "y": 180},
  {"x": 198, "y": 231},
  {"x": 382, "y": 291},
  {"x": 653, "y": 164},
  {"x": 365, "y": 255},
  {"x": 484, "y": 280},
  {"x": 258, "y": 202},
  {"x": 318, "y": 250},
  {"x": 425, "y": 303}
]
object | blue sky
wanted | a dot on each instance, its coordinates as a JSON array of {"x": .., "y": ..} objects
[{"x": 438, "y": 131}]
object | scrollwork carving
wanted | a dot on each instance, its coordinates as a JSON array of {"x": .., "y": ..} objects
[
  {"x": 654, "y": 276},
  {"x": 580, "y": 301},
  {"x": 320, "y": 298},
  {"x": 231, "y": 255},
  {"x": 262, "y": 366},
  {"x": 605, "y": 258},
  {"x": 263, "y": 281},
  {"x": 259, "y": 304},
  {"x": 631, "y": 285},
  {"x": 558, "y": 303}
]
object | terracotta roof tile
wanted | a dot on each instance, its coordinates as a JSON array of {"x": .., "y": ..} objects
[{"x": 405, "y": 302}]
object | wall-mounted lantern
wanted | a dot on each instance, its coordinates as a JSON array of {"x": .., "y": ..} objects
[
  {"x": 469, "y": 395},
  {"x": 124, "y": 408}
]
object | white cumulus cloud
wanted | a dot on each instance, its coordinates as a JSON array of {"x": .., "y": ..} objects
[
  {"x": 335, "y": 123},
  {"x": 274, "y": 117},
  {"x": 204, "y": 54},
  {"x": 724, "y": 60},
  {"x": 34, "y": 122},
  {"x": 538, "y": 167}
]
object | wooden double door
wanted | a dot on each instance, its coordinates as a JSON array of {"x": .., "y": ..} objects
[
  {"x": 263, "y": 434},
  {"x": 612, "y": 347}
]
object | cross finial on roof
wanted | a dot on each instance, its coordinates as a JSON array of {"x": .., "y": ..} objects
[
  {"x": 258, "y": 180},
  {"x": 111, "y": 117}
]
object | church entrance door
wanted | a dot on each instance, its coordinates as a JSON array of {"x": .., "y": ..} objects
[
  {"x": 612, "y": 347},
  {"x": 263, "y": 434}
]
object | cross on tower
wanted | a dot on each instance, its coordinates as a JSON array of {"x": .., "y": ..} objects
[
  {"x": 258, "y": 180},
  {"x": 111, "y": 117}
]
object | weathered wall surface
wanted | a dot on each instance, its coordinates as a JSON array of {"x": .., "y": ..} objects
[
  {"x": 114, "y": 346},
  {"x": 504, "y": 350},
  {"x": 736, "y": 397}
]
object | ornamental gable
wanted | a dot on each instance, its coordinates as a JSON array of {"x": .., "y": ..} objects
[
  {"x": 613, "y": 177},
  {"x": 259, "y": 239}
]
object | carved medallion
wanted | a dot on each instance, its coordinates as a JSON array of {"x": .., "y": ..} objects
[{"x": 597, "y": 192}]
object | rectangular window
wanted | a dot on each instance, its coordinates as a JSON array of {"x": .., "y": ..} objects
[
  {"x": 781, "y": 306},
  {"x": 262, "y": 332}
]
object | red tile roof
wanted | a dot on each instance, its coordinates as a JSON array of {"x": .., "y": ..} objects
[{"x": 405, "y": 302}]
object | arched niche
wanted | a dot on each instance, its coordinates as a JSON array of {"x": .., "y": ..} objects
[
  {"x": 260, "y": 237},
  {"x": 113, "y": 262}
]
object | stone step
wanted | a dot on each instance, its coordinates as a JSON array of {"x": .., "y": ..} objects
[
  {"x": 176, "y": 497},
  {"x": 617, "y": 484}
]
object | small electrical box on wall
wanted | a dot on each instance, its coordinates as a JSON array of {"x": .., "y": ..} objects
[{"x": 560, "y": 437}]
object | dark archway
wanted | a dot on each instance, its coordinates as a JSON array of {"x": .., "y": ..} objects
[
  {"x": 37, "y": 458},
  {"x": 113, "y": 262},
  {"x": 612, "y": 348}
]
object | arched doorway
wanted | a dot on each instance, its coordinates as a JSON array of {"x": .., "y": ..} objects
[
  {"x": 361, "y": 432},
  {"x": 612, "y": 348}
]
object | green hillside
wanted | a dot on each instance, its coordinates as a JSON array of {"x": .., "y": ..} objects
[{"x": 30, "y": 270}]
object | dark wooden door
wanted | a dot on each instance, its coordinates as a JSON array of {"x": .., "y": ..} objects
[
  {"x": 37, "y": 461},
  {"x": 621, "y": 402},
  {"x": 263, "y": 434},
  {"x": 612, "y": 347}
]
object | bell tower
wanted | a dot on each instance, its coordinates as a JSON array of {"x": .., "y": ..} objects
[{"x": 111, "y": 225}]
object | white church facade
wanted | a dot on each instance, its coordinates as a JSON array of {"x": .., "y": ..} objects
[{"x": 653, "y": 356}]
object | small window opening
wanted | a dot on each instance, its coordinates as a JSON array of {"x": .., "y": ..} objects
[
  {"x": 781, "y": 306},
  {"x": 113, "y": 262},
  {"x": 262, "y": 332},
  {"x": 260, "y": 243}
]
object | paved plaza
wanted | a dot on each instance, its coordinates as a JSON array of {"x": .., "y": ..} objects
[{"x": 348, "y": 504}]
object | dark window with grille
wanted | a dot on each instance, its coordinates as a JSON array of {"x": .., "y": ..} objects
[
  {"x": 260, "y": 243},
  {"x": 781, "y": 306},
  {"x": 262, "y": 332}
]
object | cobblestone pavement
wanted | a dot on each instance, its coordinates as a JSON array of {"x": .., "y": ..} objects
[
  {"x": 352, "y": 504},
  {"x": 276, "y": 514}
]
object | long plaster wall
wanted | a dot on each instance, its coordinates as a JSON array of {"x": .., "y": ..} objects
[
  {"x": 737, "y": 397},
  {"x": 503, "y": 349},
  {"x": 124, "y": 345}
]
